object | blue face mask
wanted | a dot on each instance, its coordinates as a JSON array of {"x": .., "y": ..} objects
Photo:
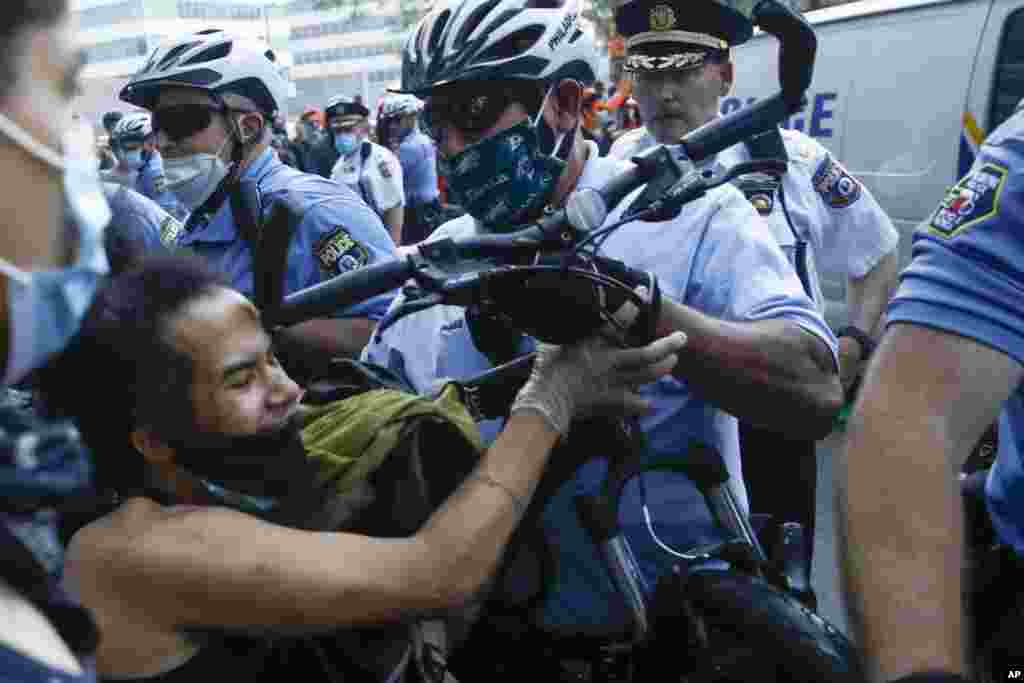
[
  {"x": 345, "y": 143},
  {"x": 133, "y": 160},
  {"x": 46, "y": 307},
  {"x": 502, "y": 180}
]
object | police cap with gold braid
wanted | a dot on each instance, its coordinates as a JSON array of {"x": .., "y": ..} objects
[{"x": 677, "y": 34}]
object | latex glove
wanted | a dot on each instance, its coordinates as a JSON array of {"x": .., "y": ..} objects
[{"x": 594, "y": 378}]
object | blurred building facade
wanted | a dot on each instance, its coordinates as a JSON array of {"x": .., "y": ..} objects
[{"x": 352, "y": 49}]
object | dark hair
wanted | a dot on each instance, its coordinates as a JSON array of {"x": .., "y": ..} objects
[
  {"x": 17, "y": 17},
  {"x": 122, "y": 371}
]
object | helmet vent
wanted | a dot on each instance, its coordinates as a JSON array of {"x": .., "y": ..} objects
[
  {"x": 513, "y": 44},
  {"x": 210, "y": 54},
  {"x": 576, "y": 35},
  {"x": 269, "y": 54},
  {"x": 171, "y": 57},
  {"x": 435, "y": 34},
  {"x": 473, "y": 20}
]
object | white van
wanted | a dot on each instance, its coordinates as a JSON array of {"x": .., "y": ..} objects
[{"x": 903, "y": 93}]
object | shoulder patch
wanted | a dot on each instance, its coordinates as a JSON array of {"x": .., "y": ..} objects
[
  {"x": 170, "y": 228},
  {"x": 338, "y": 252},
  {"x": 834, "y": 183},
  {"x": 973, "y": 199}
]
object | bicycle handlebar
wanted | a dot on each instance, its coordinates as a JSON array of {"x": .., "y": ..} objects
[{"x": 585, "y": 211}]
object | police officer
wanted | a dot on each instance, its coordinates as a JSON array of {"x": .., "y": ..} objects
[
  {"x": 418, "y": 155},
  {"x": 139, "y": 164},
  {"x": 214, "y": 133},
  {"x": 508, "y": 131},
  {"x": 51, "y": 260},
  {"x": 679, "y": 55},
  {"x": 950, "y": 363},
  {"x": 370, "y": 170}
]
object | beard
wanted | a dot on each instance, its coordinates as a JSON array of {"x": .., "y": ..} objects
[{"x": 271, "y": 465}]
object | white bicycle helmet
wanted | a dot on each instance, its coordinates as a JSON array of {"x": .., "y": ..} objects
[
  {"x": 134, "y": 126},
  {"x": 216, "y": 62},
  {"x": 498, "y": 39},
  {"x": 400, "y": 104}
]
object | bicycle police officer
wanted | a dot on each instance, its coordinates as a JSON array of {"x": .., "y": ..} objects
[
  {"x": 139, "y": 164},
  {"x": 680, "y": 57},
  {"x": 368, "y": 169},
  {"x": 506, "y": 114},
  {"x": 213, "y": 98},
  {"x": 418, "y": 155}
]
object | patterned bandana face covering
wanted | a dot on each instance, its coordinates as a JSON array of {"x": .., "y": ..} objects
[{"x": 503, "y": 179}]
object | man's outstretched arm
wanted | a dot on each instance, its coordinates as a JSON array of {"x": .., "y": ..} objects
[{"x": 926, "y": 400}]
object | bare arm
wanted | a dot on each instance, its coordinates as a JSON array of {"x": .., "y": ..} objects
[
  {"x": 866, "y": 299},
  {"x": 927, "y": 398},
  {"x": 344, "y": 337},
  {"x": 768, "y": 372},
  {"x": 215, "y": 566},
  {"x": 393, "y": 221}
]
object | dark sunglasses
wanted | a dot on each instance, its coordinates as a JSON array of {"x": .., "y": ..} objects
[
  {"x": 473, "y": 110},
  {"x": 180, "y": 121}
]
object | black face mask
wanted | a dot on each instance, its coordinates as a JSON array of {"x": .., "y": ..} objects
[{"x": 266, "y": 473}]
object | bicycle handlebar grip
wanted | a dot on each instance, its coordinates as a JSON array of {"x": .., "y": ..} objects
[{"x": 326, "y": 298}]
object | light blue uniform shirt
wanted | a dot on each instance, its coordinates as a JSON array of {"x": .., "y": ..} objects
[
  {"x": 967, "y": 278},
  {"x": 418, "y": 157},
  {"x": 820, "y": 203},
  {"x": 716, "y": 257},
  {"x": 338, "y": 233},
  {"x": 138, "y": 218}
]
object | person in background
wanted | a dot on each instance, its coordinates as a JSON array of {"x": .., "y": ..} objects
[
  {"x": 139, "y": 164},
  {"x": 317, "y": 148},
  {"x": 368, "y": 169},
  {"x": 418, "y": 155}
]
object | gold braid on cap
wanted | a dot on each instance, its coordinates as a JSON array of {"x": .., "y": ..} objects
[{"x": 702, "y": 39}]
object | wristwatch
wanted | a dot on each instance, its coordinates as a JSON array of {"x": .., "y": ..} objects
[{"x": 867, "y": 344}]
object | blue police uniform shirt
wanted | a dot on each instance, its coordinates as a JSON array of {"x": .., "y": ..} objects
[
  {"x": 716, "y": 257},
  {"x": 338, "y": 233},
  {"x": 966, "y": 277},
  {"x": 418, "y": 157},
  {"x": 139, "y": 219}
]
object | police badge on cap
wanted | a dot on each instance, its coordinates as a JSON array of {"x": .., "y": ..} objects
[{"x": 677, "y": 34}]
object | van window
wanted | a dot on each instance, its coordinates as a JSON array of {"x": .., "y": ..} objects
[{"x": 1009, "y": 83}]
